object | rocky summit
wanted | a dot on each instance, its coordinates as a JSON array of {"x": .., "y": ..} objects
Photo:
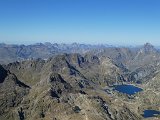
[{"x": 76, "y": 82}]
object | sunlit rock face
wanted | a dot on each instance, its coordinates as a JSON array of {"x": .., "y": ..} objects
[{"x": 80, "y": 86}]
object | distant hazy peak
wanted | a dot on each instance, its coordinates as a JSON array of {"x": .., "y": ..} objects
[
  {"x": 148, "y": 48},
  {"x": 148, "y": 45}
]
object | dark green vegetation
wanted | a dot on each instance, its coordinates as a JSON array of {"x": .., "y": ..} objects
[{"x": 76, "y": 86}]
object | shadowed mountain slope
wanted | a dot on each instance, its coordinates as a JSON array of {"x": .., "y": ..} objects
[
  {"x": 80, "y": 86},
  {"x": 63, "y": 88}
]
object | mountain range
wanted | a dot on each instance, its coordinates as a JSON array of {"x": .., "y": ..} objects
[{"x": 75, "y": 81}]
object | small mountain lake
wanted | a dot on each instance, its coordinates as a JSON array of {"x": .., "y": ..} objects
[
  {"x": 150, "y": 113},
  {"x": 127, "y": 89}
]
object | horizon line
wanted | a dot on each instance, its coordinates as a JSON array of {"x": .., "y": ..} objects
[{"x": 96, "y": 44}]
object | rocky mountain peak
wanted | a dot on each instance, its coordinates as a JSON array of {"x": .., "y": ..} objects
[
  {"x": 74, "y": 85},
  {"x": 148, "y": 48}
]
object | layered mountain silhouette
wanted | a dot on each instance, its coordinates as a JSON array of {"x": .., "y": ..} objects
[
  {"x": 77, "y": 84},
  {"x": 12, "y": 53}
]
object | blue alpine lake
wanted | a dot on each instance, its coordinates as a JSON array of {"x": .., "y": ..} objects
[
  {"x": 150, "y": 113},
  {"x": 127, "y": 89}
]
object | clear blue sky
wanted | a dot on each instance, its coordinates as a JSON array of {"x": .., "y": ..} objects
[{"x": 83, "y": 21}]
